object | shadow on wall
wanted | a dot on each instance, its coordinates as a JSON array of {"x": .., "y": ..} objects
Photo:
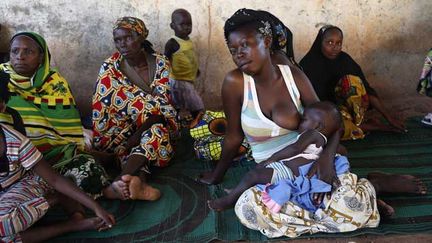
[{"x": 397, "y": 76}]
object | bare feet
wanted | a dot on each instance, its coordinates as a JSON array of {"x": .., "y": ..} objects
[
  {"x": 80, "y": 222},
  {"x": 118, "y": 189},
  {"x": 207, "y": 178},
  {"x": 142, "y": 191},
  {"x": 393, "y": 183},
  {"x": 385, "y": 209},
  {"x": 219, "y": 204}
]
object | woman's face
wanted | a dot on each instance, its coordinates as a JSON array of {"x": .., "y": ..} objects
[
  {"x": 248, "y": 49},
  {"x": 25, "y": 56},
  {"x": 127, "y": 42},
  {"x": 331, "y": 45}
]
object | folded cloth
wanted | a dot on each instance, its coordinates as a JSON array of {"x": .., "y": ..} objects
[{"x": 299, "y": 190}]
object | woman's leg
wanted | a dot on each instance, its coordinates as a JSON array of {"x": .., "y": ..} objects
[
  {"x": 253, "y": 177},
  {"x": 393, "y": 183}
]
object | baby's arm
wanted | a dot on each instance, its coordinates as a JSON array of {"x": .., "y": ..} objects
[
  {"x": 170, "y": 47},
  {"x": 305, "y": 139}
]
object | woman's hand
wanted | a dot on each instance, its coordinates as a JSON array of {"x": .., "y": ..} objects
[{"x": 105, "y": 216}]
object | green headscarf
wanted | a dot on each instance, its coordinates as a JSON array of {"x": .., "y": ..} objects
[{"x": 44, "y": 69}]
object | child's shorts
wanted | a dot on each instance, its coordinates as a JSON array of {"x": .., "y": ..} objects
[{"x": 185, "y": 96}]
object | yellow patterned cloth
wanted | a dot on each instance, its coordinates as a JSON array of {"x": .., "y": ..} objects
[
  {"x": 351, "y": 206},
  {"x": 48, "y": 111},
  {"x": 352, "y": 101}
]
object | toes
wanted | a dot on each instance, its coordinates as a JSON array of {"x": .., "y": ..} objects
[{"x": 127, "y": 178}]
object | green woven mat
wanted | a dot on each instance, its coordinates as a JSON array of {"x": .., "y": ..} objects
[{"x": 181, "y": 215}]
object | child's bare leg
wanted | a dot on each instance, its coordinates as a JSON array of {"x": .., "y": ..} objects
[
  {"x": 76, "y": 223},
  {"x": 253, "y": 177}
]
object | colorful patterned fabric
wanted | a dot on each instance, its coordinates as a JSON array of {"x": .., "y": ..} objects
[
  {"x": 351, "y": 206},
  {"x": 208, "y": 131},
  {"x": 257, "y": 128},
  {"x": 22, "y": 204},
  {"x": 47, "y": 108},
  {"x": 425, "y": 83},
  {"x": 20, "y": 153},
  {"x": 132, "y": 23},
  {"x": 352, "y": 101},
  {"x": 121, "y": 107},
  {"x": 48, "y": 111}
]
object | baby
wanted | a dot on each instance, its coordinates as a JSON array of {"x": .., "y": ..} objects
[
  {"x": 319, "y": 120},
  {"x": 184, "y": 62}
]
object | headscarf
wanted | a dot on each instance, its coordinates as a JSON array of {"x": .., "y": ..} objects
[
  {"x": 132, "y": 23},
  {"x": 324, "y": 73},
  {"x": 138, "y": 26},
  {"x": 44, "y": 69},
  {"x": 266, "y": 24}
]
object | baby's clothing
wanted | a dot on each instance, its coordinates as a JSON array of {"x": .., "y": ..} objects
[{"x": 281, "y": 171}]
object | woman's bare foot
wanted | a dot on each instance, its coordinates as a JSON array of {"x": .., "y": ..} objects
[
  {"x": 219, "y": 204},
  {"x": 385, "y": 209},
  {"x": 142, "y": 191},
  {"x": 81, "y": 223},
  {"x": 118, "y": 189},
  {"x": 207, "y": 178},
  {"x": 393, "y": 183}
]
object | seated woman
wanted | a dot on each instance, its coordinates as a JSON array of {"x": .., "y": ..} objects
[
  {"x": 336, "y": 77},
  {"x": 51, "y": 120},
  {"x": 425, "y": 84},
  {"x": 281, "y": 53},
  {"x": 132, "y": 112},
  {"x": 27, "y": 182},
  {"x": 264, "y": 102}
]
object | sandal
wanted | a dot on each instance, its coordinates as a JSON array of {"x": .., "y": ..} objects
[{"x": 427, "y": 120}]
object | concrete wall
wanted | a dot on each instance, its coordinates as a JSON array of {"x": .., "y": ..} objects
[{"x": 388, "y": 38}]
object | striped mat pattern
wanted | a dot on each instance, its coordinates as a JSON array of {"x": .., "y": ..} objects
[{"x": 181, "y": 215}]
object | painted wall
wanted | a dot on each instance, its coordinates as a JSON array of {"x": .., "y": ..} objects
[{"x": 388, "y": 38}]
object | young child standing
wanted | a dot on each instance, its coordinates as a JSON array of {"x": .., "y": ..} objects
[{"x": 184, "y": 62}]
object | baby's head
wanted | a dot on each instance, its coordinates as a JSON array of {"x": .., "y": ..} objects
[
  {"x": 4, "y": 91},
  {"x": 181, "y": 23},
  {"x": 322, "y": 116}
]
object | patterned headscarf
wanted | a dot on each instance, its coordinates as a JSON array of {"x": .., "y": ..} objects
[
  {"x": 44, "y": 69},
  {"x": 268, "y": 24},
  {"x": 132, "y": 23},
  {"x": 250, "y": 17}
]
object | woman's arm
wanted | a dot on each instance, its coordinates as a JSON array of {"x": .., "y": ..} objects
[
  {"x": 376, "y": 104},
  {"x": 232, "y": 97},
  {"x": 307, "y": 92},
  {"x": 61, "y": 184}
]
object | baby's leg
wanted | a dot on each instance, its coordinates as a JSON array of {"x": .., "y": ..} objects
[{"x": 253, "y": 177}]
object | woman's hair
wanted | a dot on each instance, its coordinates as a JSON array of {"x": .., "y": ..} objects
[
  {"x": 247, "y": 17},
  {"x": 136, "y": 25},
  {"x": 282, "y": 38}
]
